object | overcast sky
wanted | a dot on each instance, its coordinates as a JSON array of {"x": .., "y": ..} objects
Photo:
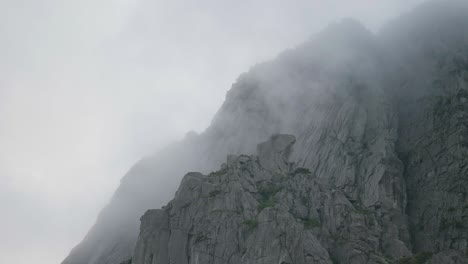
[{"x": 87, "y": 87}]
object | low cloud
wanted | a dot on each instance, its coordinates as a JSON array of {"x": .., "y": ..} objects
[{"x": 89, "y": 87}]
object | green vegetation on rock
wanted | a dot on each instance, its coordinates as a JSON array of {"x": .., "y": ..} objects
[
  {"x": 251, "y": 223},
  {"x": 419, "y": 258}
]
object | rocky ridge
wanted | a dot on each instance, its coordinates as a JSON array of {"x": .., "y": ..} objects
[
  {"x": 260, "y": 209},
  {"x": 380, "y": 125},
  {"x": 266, "y": 209}
]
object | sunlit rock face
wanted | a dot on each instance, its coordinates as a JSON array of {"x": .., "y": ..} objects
[{"x": 378, "y": 129}]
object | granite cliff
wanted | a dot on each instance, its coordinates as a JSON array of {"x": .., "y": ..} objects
[{"x": 375, "y": 169}]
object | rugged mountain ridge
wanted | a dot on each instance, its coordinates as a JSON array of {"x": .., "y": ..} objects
[
  {"x": 380, "y": 119},
  {"x": 433, "y": 129},
  {"x": 266, "y": 209},
  {"x": 261, "y": 209}
]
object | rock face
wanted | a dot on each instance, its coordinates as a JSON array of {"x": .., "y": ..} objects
[
  {"x": 261, "y": 209},
  {"x": 247, "y": 212},
  {"x": 376, "y": 172},
  {"x": 433, "y": 136}
]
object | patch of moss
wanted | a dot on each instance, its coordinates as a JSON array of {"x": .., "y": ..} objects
[
  {"x": 310, "y": 223},
  {"x": 422, "y": 257},
  {"x": 334, "y": 260},
  {"x": 360, "y": 210},
  {"x": 265, "y": 204},
  {"x": 128, "y": 261},
  {"x": 419, "y": 258},
  {"x": 407, "y": 260},
  {"x": 388, "y": 259},
  {"x": 267, "y": 193},
  {"x": 335, "y": 237},
  {"x": 251, "y": 223},
  {"x": 305, "y": 201},
  {"x": 200, "y": 237},
  {"x": 444, "y": 224},
  {"x": 301, "y": 170},
  {"x": 214, "y": 193}
]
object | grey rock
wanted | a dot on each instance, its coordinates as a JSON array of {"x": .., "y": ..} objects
[
  {"x": 256, "y": 214},
  {"x": 128, "y": 261},
  {"x": 274, "y": 154},
  {"x": 433, "y": 131},
  {"x": 449, "y": 257},
  {"x": 380, "y": 158}
]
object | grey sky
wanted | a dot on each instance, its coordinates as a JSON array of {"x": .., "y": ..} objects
[{"x": 88, "y": 87}]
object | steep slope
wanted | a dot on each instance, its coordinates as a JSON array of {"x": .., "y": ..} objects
[
  {"x": 316, "y": 92},
  {"x": 365, "y": 126},
  {"x": 433, "y": 106},
  {"x": 265, "y": 209},
  {"x": 258, "y": 209}
]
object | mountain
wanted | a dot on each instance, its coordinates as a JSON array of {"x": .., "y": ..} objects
[
  {"x": 379, "y": 125},
  {"x": 432, "y": 100},
  {"x": 262, "y": 209}
]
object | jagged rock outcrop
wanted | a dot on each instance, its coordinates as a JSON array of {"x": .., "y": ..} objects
[
  {"x": 380, "y": 125},
  {"x": 266, "y": 209},
  {"x": 260, "y": 209}
]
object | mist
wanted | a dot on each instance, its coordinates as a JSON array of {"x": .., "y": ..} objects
[{"x": 88, "y": 88}]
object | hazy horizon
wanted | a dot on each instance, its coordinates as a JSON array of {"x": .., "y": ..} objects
[{"x": 90, "y": 87}]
